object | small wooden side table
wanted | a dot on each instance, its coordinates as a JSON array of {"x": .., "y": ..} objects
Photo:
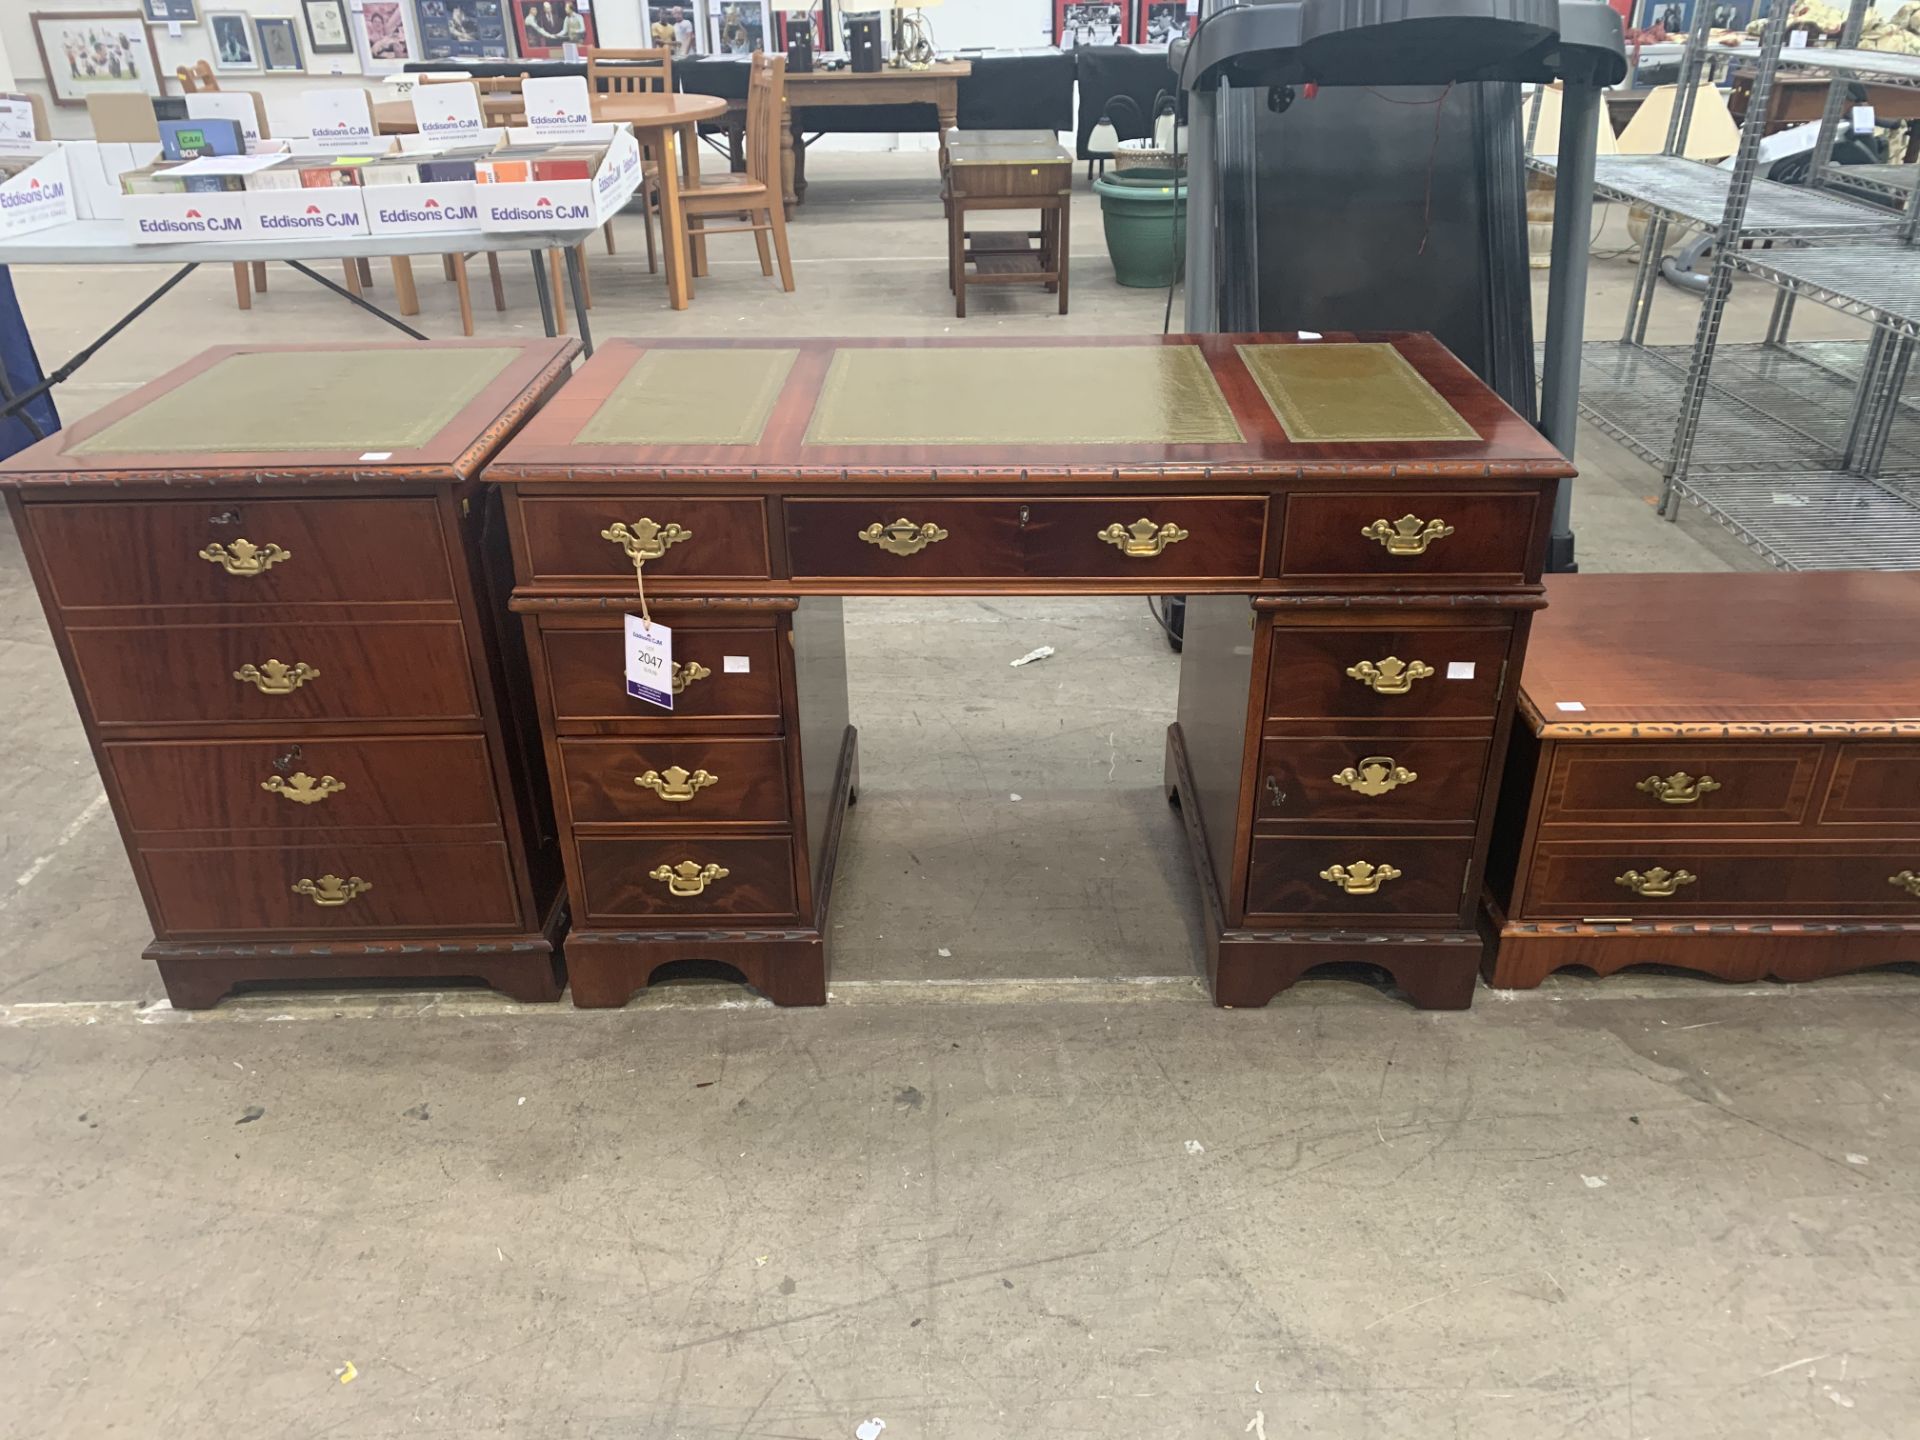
[{"x": 1007, "y": 170}]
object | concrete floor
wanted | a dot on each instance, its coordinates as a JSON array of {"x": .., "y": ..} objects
[{"x": 1018, "y": 1178}]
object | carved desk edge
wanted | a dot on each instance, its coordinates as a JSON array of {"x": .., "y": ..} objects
[
  {"x": 1252, "y": 474},
  {"x": 1558, "y": 729}
]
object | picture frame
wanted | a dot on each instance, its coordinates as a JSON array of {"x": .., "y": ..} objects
[
  {"x": 171, "y": 12},
  {"x": 1161, "y": 22},
  {"x": 385, "y": 31},
  {"x": 738, "y": 27},
  {"x": 1078, "y": 23},
  {"x": 278, "y": 38},
  {"x": 91, "y": 52},
  {"x": 329, "y": 27},
  {"x": 235, "y": 49},
  {"x": 462, "y": 29},
  {"x": 544, "y": 28},
  {"x": 676, "y": 25}
]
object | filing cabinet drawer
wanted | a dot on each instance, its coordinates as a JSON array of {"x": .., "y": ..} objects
[
  {"x": 225, "y": 552},
  {"x": 1664, "y": 877},
  {"x": 674, "y": 782},
  {"x": 586, "y": 670},
  {"x": 239, "y": 785},
  {"x": 1491, "y": 535},
  {"x": 1680, "y": 784},
  {"x": 215, "y": 673},
  {"x": 1377, "y": 779},
  {"x": 1411, "y": 673},
  {"x": 1131, "y": 536},
  {"x": 912, "y": 538},
  {"x": 687, "y": 877},
  {"x": 1875, "y": 784},
  {"x": 408, "y": 887},
  {"x": 1348, "y": 876},
  {"x": 719, "y": 538}
]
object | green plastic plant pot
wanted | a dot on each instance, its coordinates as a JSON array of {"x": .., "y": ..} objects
[{"x": 1145, "y": 215}]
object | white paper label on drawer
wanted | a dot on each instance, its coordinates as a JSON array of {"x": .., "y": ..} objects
[
  {"x": 650, "y": 662},
  {"x": 735, "y": 665},
  {"x": 376, "y": 455},
  {"x": 1459, "y": 669},
  {"x": 1568, "y": 705}
]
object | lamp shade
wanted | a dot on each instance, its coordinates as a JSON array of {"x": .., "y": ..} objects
[{"x": 1103, "y": 139}]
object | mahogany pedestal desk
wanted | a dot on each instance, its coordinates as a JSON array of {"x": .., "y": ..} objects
[
  {"x": 278, "y": 591},
  {"x": 1359, "y": 523},
  {"x": 1715, "y": 772}
]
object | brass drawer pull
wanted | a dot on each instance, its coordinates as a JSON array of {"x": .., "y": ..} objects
[
  {"x": 1143, "y": 539},
  {"x": 689, "y": 877},
  {"x": 276, "y": 678},
  {"x": 1360, "y": 878},
  {"x": 684, "y": 674},
  {"x": 1392, "y": 676},
  {"x": 1907, "y": 880},
  {"x": 903, "y": 537},
  {"x": 1678, "y": 788},
  {"x": 1375, "y": 775},
  {"x": 243, "y": 557},
  {"x": 645, "y": 539},
  {"x": 674, "y": 784},
  {"x": 1409, "y": 535},
  {"x": 1656, "y": 882},
  {"x": 302, "y": 788},
  {"x": 331, "y": 890}
]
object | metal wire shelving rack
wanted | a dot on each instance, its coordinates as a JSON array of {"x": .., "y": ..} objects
[{"x": 1784, "y": 445}]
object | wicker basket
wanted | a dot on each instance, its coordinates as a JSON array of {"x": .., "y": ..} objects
[{"x": 1144, "y": 154}]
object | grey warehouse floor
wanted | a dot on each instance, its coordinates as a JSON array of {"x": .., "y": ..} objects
[{"x": 1018, "y": 1178}]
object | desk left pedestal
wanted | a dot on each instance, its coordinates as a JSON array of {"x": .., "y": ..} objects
[{"x": 299, "y": 683}]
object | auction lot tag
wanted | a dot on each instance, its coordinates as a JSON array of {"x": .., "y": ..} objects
[{"x": 650, "y": 662}]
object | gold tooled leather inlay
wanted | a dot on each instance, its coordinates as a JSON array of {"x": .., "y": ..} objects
[
  {"x": 1022, "y": 395},
  {"x": 1349, "y": 392},
  {"x": 691, "y": 397}
]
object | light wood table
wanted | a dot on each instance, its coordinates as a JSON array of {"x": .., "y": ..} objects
[
  {"x": 395, "y": 117},
  {"x": 664, "y": 124},
  {"x": 938, "y": 85}
]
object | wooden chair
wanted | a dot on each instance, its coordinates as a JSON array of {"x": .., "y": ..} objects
[
  {"x": 634, "y": 72},
  {"x": 753, "y": 197}
]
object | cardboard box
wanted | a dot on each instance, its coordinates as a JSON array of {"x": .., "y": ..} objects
[
  {"x": 171, "y": 219},
  {"x": 566, "y": 204},
  {"x": 421, "y": 209},
  {"x": 38, "y": 197},
  {"x": 303, "y": 214}
]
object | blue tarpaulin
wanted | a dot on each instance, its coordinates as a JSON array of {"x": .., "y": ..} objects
[{"x": 23, "y": 373}]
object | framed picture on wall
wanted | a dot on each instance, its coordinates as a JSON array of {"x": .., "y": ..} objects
[
  {"x": 453, "y": 29},
  {"x": 673, "y": 25},
  {"x": 89, "y": 52},
  {"x": 329, "y": 31},
  {"x": 279, "y": 40},
  {"x": 1088, "y": 22},
  {"x": 738, "y": 27},
  {"x": 1161, "y": 22},
  {"x": 171, "y": 12},
  {"x": 386, "y": 35},
  {"x": 544, "y": 28},
  {"x": 234, "y": 49}
]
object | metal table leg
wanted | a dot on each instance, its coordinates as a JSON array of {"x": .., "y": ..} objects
[
  {"x": 576, "y": 282},
  {"x": 1567, "y": 300},
  {"x": 545, "y": 293}
]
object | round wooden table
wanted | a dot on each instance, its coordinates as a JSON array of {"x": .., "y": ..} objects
[{"x": 664, "y": 124}]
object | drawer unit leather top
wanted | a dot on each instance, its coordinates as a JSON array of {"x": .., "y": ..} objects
[{"x": 1217, "y": 405}]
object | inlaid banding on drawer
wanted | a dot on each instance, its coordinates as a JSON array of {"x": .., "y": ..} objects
[
  {"x": 240, "y": 785},
  {"x": 699, "y": 878},
  {"x": 676, "y": 781},
  {"x": 397, "y": 670},
  {"x": 1388, "y": 780},
  {"x": 1407, "y": 534},
  {"x": 1874, "y": 784},
  {"x": 242, "y": 552},
  {"x": 406, "y": 887},
  {"x": 720, "y": 538},
  {"x": 1671, "y": 877},
  {"x": 1664, "y": 785},
  {"x": 1370, "y": 877},
  {"x": 725, "y": 674}
]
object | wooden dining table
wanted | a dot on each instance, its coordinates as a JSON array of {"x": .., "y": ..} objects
[
  {"x": 395, "y": 117},
  {"x": 666, "y": 127}
]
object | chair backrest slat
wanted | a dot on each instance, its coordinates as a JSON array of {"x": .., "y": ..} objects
[
  {"x": 765, "y": 85},
  {"x": 629, "y": 72}
]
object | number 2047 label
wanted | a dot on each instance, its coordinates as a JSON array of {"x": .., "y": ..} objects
[{"x": 650, "y": 662}]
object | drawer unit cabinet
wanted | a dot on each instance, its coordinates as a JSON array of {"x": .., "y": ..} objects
[
  {"x": 1736, "y": 793},
  {"x": 1358, "y": 521},
  {"x": 277, "y": 589}
]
